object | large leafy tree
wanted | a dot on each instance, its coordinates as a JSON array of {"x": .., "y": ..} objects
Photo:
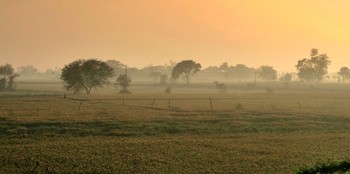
[
  {"x": 185, "y": 69},
  {"x": 86, "y": 75},
  {"x": 7, "y": 77},
  {"x": 6, "y": 70},
  {"x": 344, "y": 73},
  {"x": 267, "y": 73},
  {"x": 313, "y": 69}
]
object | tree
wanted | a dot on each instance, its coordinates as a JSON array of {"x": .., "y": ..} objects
[
  {"x": 186, "y": 69},
  {"x": 313, "y": 69},
  {"x": 344, "y": 73},
  {"x": 155, "y": 75},
  {"x": 27, "y": 70},
  {"x": 6, "y": 70},
  {"x": 8, "y": 76},
  {"x": 224, "y": 67},
  {"x": 117, "y": 66},
  {"x": 86, "y": 75},
  {"x": 286, "y": 77},
  {"x": 267, "y": 73},
  {"x": 124, "y": 80},
  {"x": 11, "y": 86}
]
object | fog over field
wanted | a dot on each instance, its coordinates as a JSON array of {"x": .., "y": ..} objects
[{"x": 164, "y": 86}]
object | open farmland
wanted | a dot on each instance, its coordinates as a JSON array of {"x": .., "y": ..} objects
[{"x": 143, "y": 133}]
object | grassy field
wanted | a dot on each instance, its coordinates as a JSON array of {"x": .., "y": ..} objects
[{"x": 271, "y": 133}]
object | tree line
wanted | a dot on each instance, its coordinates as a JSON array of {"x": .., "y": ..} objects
[{"x": 87, "y": 74}]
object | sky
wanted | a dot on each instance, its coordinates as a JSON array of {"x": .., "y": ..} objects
[{"x": 48, "y": 34}]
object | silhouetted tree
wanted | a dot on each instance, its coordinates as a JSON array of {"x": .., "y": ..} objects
[
  {"x": 186, "y": 69},
  {"x": 313, "y": 69},
  {"x": 117, "y": 66},
  {"x": 344, "y": 73},
  {"x": 124, "y": 80},
  {"x": 86, "y": 74},
  {"x": 6, "y": 70},
  {"x": 224, "y": 68},
  {"x": 155, "y": 75},
  {"x": 287, "y": 77},
  {"x": 7, "y": 77},
  {"x": 267, "y": 73},
  {"x": 11, "y": 86},
  {"x": 27, "y": 71}
]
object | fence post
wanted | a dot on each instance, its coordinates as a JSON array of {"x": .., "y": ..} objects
[
  {"x": 211, "y": 105},
  {"x": 299, "y": 105},
  {"x": 154, "y": 100}
]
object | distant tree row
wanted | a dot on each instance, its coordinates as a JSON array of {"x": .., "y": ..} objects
[{"x": 85, "y": 75}]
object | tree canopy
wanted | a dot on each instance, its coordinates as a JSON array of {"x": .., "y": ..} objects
[
  {"x": 344, "y": 74},
  {"x": 313, "y": 69},
  {"x": 267, "y": 73},
  {"x": 185, "y": 69},
  {"x": 7, "y": 77},
  {"x": 86, "y": 75},
  {"x": 124, "y": 80}
]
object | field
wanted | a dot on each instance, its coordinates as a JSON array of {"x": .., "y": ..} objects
[{"x": 152, "y": 132}]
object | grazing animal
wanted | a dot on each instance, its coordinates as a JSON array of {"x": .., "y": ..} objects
[{"x": 220, "y": 86}]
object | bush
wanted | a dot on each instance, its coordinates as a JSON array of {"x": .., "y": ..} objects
[
  {"x": 168, "y": 90},
  {"x": 329, "y": 167}
]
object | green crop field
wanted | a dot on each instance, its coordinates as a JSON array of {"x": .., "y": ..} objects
[{"x": 182, "y": 132}]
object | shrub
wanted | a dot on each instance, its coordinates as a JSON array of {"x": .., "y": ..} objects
[{"x": 328, "y": 167}]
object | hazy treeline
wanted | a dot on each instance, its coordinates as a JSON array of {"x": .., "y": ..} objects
[
  {"x": 313, "y": 69},
  {"x": 150, "y": 73}
]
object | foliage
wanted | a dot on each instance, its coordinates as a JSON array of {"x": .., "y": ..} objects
[
  {"x": 8, "y": 76},
  {"x": 313, "y": 69},
  {"x": 28, "y": 71},
  {"x": 6, "y": 70},
  {"x": 11, "y": 86},
  {"x": 286, "y": 77},
  {"x": 3, "y": 83},
  {"x": 329, "y": 167},
  {"x": 344, "y": 74},
  {"x": 267, "y": 73},
  {"x": 124, "y": 81},
  {"x": 86, "y": 75},
  {"x": 186, "y": 69},
  {"x": 117, "y": 66},
  {"x": 155, "y": 75}
]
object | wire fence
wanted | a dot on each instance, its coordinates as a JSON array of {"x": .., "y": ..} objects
[{"x": 33, "y": 101}]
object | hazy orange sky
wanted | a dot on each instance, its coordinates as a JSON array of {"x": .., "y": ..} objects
[{"x": 52, "y": 33}]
